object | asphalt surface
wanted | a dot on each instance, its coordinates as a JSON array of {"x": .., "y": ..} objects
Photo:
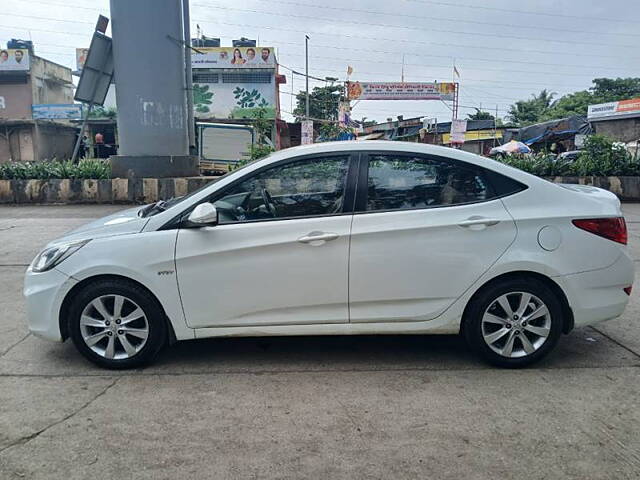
[{"x": 310, "y": 407}]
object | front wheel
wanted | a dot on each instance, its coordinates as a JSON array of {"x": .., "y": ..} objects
[
  {"x": 117, "y": 324},
  {"x": 514, "y": 323}
]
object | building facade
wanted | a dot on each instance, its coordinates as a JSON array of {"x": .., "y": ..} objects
[{"x": 28, "y": 81}]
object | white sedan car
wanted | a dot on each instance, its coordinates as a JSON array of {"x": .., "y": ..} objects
[{"x": 342, "y": 238}]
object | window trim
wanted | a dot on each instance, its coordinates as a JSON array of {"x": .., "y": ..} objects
[
  {"x": 353, "y": 165},
  {"x": 363, "y": 177}
]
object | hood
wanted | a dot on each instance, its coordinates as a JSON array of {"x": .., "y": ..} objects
[{"x": 120, "y": 223}]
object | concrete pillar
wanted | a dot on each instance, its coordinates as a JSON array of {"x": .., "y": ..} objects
[{"x": 149, "y": 66}]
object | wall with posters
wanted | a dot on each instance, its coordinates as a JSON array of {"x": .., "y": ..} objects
[
  {"x": 234, "y": 82},
  {"x": 234, "y": 99}
]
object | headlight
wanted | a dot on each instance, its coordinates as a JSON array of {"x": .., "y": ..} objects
[{"x": 50, "y": 257}]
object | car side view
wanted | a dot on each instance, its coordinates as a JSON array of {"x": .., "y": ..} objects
[{"x": 342, "y": 238}]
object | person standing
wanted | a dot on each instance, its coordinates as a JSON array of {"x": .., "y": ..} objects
[{"x": 99, "y": 143}]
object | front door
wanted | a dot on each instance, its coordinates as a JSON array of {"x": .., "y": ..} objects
[
  {"x": 425, "y": 229},
  {"x": 279, "y": 254}
]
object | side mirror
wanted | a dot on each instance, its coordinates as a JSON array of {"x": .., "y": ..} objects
[{"x": 204, "y": 215}]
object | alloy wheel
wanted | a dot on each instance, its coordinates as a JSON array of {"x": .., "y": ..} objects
[
  {"x": 114, "y": 327},
  {"x": 516, "y": 324}
]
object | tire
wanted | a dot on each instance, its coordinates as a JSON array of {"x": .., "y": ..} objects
[
  {"x": 490, "y": 339},
  {"x": 129, "y": 339}
]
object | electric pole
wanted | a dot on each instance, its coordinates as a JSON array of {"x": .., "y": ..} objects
[{"x": 306, "y": 49}]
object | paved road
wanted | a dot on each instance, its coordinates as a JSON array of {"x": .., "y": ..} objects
[{"x": 334, "y": 407}]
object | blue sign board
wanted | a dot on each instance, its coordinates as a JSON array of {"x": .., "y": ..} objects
[{"x": 57, "y": 111}]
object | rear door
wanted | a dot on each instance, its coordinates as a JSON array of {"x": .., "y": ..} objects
[{"x": 424, "y": 230}]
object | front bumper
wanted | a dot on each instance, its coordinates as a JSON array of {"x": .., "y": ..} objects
[
  {"x": 598, "y": 295},
  {"x": 44, "y": 293}
]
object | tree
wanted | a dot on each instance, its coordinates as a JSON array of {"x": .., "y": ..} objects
[
  {"x": 366, "y": 123},
  {"x": 323, "y": 103},
  {"x": 542, "y": 107},
  {"x": 610, "y": 89},
  {"x": 526, "y": 112},
  {"x": 480, "y": 115}
]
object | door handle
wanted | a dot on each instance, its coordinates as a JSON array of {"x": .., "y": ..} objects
[
  {"x": 319, "y": 237},
  {"x": 471, "y": 221}
]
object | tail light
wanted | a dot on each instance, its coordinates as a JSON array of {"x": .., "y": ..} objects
[
  {"x": 628, "y": 289},
  {"x": 611, "y": 228}
]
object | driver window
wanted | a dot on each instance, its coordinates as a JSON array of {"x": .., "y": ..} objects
[{"x": 309, "y": 187}]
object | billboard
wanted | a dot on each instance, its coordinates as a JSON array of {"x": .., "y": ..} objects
[
  {"x": 458, "y": 129},
  {"x": 97, "y": 71},
  {"x": 14, "y": 59},
  {"x": 233, "y": 57},
  {"x": 306, "y": 132},
  {"x": 400, "y": 91},
  {"x": 81, "y": 57},
  {"x": 622, "y": 108},
  {"x": 59, "y": 111}
]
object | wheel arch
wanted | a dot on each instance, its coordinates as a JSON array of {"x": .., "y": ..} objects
[
  {"x": 567, "y": 312},
  {"x": 63, "y": 314}
]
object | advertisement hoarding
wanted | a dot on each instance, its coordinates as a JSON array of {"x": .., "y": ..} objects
[
  {"x": 458, "y": 129},
  {"x": 306, "y": 132},
  {"x": 81, "y": 57},
  {"x": 400, "y": 91},
  {"x": 622, "y": 108},
  {"x": 14, "y": 59},
  {"x": 70, "y": 111},
  {"x": 233, "y": 57}
]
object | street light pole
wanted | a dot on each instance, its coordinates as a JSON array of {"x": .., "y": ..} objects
[{"x": 306, "y": 49}]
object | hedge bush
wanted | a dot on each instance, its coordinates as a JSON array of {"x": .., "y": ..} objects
[
  {"x": 600, "y": 157},
  {"x": 87, "y": 168}
]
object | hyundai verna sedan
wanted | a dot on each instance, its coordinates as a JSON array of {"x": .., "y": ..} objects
[{"x": 341, "y": 239}]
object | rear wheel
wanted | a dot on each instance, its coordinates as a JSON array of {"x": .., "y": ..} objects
[
  {"x": 514, "y": 323},
  {"x": 117, "y": 324}
]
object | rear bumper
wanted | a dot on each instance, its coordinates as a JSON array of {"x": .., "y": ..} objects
[
  {"x": 598, "y": 295},
  {"x": 44, "y": 293}
]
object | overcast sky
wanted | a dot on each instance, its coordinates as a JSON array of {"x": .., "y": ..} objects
[{"x": 504, "y": 50}]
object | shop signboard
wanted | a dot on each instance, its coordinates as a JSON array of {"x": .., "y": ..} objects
[
  {"x": 70, "y": 111},
  {"x": 622, "y": 108},
  {"x": 475, "y": 135},
  {"x": 400, "y": 91}
]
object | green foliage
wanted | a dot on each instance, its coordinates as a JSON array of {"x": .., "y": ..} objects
[
  {"x": 480, "y": 115},
  {"x": 202, "y": 97},
  {"x": 101, "y": 112},
  {"x": 599, "y": 157},
  {"x": 87, "y": 168},
  {"x": 259, "y": 151},
  {"x": 527, "y": 112},
  {"x": 542, "y": 107},
  {"x": 323, "y": 103},
  {"x": 540, "y": 164}
]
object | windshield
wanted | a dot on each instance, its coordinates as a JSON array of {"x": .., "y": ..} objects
[{"x": 163, "y": 205}]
